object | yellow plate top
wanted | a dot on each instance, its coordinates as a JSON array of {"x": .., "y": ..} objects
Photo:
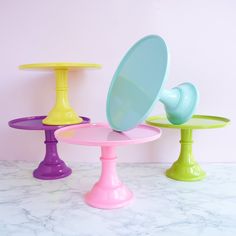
[{"x": 59, "y": 65}]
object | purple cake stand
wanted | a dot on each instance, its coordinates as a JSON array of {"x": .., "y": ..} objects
[{"x": 52, "y": 167}]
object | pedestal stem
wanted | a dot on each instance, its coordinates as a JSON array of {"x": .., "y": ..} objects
[
  {"x": 108, "y": 176},
  {"x": 109, "y": 192},
  {"x": 52, "y": 167},
  {"x": 186, "y": 155},
  {"x": 62, "y": 89},
  {"x": 170, "y": 98},
  {"x": 62, "y": 113},
  {"x": 186, "y": 168},
  {"x": 51, "y": 156},
  {"x": 180, "y": 103}
]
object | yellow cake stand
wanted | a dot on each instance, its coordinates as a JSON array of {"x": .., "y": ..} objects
[{"x": 62, "y": 113}]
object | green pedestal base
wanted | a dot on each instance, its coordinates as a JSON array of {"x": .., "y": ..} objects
[
  {"x": 186, "y": 168},
  {"x": 179, "y": 171}
]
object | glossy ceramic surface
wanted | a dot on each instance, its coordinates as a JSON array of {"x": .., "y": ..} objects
[
  {"x": 196, "y": 122},
  {"x": 109, "y": 192},
  {"x": 137, "y": 83},
  {"x": 35, "y": 123},
  {"x": 101, "y": 135},
  {"x": 52, "y": 167},
  {"x": 58, "y": 65},
  {"x": 62, "y": 113},
  {"x": 186, "y": 168},
  {"x": 180, "y": 102}
]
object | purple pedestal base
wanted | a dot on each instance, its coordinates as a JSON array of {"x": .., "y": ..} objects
[
  {"x": 52, "y": 167},
  {"x": 52, "y": 171}
]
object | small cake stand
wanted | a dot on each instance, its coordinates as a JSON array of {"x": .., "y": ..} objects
[
  {"x": 186, "y": 168},
  {"x": 109, "y": 192},
  {"x": 62, "y": 113},
  {"x": 52, "y": 167}
]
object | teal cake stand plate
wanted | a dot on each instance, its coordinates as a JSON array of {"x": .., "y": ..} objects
[{"x": 186, "y": 168}]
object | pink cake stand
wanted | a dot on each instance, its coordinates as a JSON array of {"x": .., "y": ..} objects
[{"x": 109, "y": 192}]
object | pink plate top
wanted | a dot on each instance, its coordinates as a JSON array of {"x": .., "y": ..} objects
[{"x": 101, "y": 134}]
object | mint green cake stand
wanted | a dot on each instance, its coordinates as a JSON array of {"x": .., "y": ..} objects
[{"x": 186, "y": 168}]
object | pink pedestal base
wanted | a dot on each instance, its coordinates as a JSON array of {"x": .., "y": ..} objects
[{"x": 109, "y": 192}]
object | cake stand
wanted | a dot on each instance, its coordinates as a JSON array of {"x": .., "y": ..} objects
[
  {"x": 186, "y": 168},
  {"x": 62, "y": 113},
  {"x": 109, "y": 192},
  {"x": 52, "y": 167},
  {"x": 138, "y": 84}
]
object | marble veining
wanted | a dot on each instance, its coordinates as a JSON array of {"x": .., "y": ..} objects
[{"x": 162, "y": 206}]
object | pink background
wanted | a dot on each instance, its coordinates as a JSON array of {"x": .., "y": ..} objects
[{"x": 201, "y": 36}]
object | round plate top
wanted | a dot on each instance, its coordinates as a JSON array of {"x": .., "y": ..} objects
[
  {"x": 196, "y": 122},
  {"x": 35, "y": 123},
  {"x": 137, "y": 83},
  {"x": 102, "y": 135},
  {"x": 59, "y": 65}
]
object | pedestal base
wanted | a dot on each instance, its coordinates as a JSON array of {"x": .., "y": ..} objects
[
  {"x": 179, "y": 171},
  {"x": 109, "y": 198},
  {"x": 62, "y": 117},
  {"x": 47, "y": 171}
]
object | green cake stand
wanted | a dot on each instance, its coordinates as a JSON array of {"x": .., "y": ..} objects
[{"x": 186, "y": 168}]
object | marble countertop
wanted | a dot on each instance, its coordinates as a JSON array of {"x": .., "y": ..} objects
[{"x": 162, "y": 206}]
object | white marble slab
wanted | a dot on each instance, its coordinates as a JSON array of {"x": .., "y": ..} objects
[{"x": 162, "y": 206}]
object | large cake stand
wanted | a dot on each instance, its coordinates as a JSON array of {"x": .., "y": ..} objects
[
  {"x": 186, "y": 168},
  {"x": 138, "y": 84},
  {"x": 52, "y": 167},
  {"x": 109, "y": 192},
  {"x": 62, "y": 113}
]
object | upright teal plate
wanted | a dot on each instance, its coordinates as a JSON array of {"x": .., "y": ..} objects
[{"x": 137, "y": 83}]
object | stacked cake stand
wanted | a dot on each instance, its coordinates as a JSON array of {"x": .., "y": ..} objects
[{"x": 62, "y": 114}]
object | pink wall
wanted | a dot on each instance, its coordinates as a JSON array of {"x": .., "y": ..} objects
[{"x": 200, "y": 34}]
